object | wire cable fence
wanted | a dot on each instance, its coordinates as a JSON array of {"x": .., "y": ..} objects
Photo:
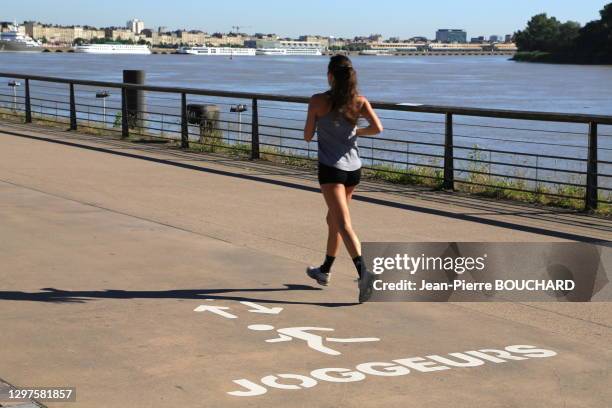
[{"x": 550, "y": 158}]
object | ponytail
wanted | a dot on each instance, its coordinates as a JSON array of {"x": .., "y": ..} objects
[{"x": 343, "y": 92}]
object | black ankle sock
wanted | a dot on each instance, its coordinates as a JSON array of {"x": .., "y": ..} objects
[
  {"x": 359, "y": 264},
  {"x": 327, "y": 264}
]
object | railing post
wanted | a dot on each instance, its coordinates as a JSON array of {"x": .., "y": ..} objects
[
  {"x": 184, "y": 124},
  {"x": 73, "y": 114},
  {"x": 125, "y": 125},
  {"x": 591, "y": 178},
  {"x": 449, "y": 170},
  {"x": 254, "y": 131},
  {"x": 28, "y": 102}
]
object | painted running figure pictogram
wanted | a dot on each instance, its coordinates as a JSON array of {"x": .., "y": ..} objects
[{"x": 313, "y": 341}]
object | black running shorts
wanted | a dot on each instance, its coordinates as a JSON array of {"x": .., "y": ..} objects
[{"x": 328, "y": 175}]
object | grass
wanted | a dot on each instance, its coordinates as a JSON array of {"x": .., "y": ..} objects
[
  {"x": 418, "y": 175},
  {"x": 479, "y": 182},
  {"x": 476, "y": 180}
]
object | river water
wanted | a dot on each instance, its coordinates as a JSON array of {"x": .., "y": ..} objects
[
  {"x": 478, "y": 81},
  {"x": 474, "y": 81}
]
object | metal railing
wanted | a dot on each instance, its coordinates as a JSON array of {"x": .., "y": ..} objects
[{"x": 567, "y": 157}]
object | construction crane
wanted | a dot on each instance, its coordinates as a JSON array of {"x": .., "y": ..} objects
[{"x": 236, "y": 28}]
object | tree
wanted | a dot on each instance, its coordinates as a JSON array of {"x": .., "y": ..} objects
[
  {"x": 546, "y": 39},
  {"x": 540, "y": 34},
  {"x": 594, "y": 42},
  {"x": 566, "y": 39}
]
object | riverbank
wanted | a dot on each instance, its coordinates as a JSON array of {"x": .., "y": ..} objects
[
  {"x": 173, "y": 51},
  {"x": 533, "y": 56},
  {"x": 552, "y": 58}
]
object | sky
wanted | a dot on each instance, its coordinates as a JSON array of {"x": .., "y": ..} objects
[{"x": 341, "y": 18}]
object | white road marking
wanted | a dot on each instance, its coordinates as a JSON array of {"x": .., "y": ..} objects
[
  {"x": 262, "y": 309},
  {"x": 218, "y": 310},
  {"x": 313, "y": 341},
  {"x": 353, "y": 340}
]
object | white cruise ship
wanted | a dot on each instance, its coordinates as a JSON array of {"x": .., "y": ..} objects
[
  {"x": 112, "y": 49},
  {"x": 13, "y": 40},
  {"x": 221, "y": 51},
  {"x": 289, "y": 51}
]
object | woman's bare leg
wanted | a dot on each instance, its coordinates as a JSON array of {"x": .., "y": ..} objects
[
  {"x": 340, "y": 219},
  {"x": 334, "y": 239}
]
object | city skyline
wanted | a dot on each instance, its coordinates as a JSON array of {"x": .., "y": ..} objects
[{"x": 317, "y": 17}]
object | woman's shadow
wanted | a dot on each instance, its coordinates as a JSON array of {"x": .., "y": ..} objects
[{"x": 53, "y": 295}]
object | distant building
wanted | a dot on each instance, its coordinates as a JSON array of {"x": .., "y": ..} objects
[
  {"x": 418, "y": 39},
  {"x": 217, "y": 40},
  {"x": 511, "y": 47},
  {"x": 61, "y": 35},
  {"x": 451, "y": 36},
  {"x": 164, "y": 39},
  {"x": 395, "y": 46},
  {"x": 263, "y": 43},
  {"x": 455, "y": 47},
  {"x": 135, "y": 25},
  {"x": 508, "y": 38},
  {"x": 324, "y": 41},
  {"x": 262, "y": 36},
  {"x": 302, "y": 44},
  {"x": 193, "y": 37},
  {"x": 117, "y": 33},
  {"x": 9, "y": 26},
  {"x": 477, "y": 40},
  {"x": 494, "y": 38},
  {"x": 337, "y": 42}
]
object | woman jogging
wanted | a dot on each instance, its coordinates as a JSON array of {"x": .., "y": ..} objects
[{"x": 334, "y": 115}]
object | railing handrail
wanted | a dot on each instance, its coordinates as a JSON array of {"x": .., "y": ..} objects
[{"x": 437, "y": 109}]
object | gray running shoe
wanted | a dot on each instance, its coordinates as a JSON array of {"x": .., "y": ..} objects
[
  {"x": 365, "y": 286},
  {"x": 316, "y": 274}
]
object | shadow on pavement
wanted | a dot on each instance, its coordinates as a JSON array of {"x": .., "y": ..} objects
[{"x": 53, "y": 295}]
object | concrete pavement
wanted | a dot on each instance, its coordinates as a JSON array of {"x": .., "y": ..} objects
[{"x": 107, "y": 248}]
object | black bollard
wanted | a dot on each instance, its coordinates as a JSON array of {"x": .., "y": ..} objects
[{"x": 135, "y": 100}]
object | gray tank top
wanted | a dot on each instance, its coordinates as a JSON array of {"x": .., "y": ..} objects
[{"x": 338, "y": 142}]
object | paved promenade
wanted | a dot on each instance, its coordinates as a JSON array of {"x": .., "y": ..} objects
[{"x": 133, "y": 273}]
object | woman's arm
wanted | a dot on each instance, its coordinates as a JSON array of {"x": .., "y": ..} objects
[
  {"x": 311, "y": 119},
  {"x": 368, "y": 113}
]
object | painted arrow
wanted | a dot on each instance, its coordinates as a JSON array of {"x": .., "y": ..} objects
[
  {"x": 262, "y": 309},
  {"x": 218, "y": 310}
]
